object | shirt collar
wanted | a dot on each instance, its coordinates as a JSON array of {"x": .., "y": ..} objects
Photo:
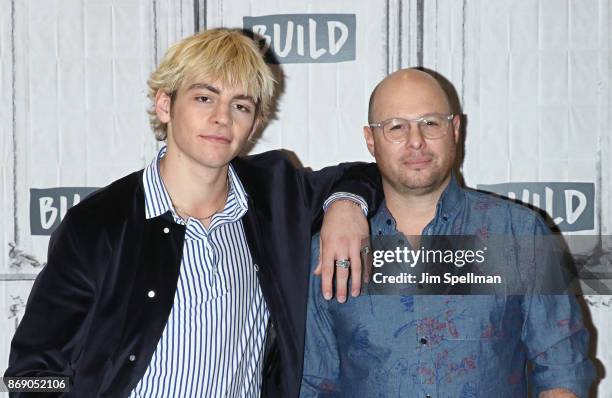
[
  {"x": 451, "y": 199},
  {"x": 383, "y": 223},
  {"x": 157, "y": 199}
]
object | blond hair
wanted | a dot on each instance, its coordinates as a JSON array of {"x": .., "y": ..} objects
[{"x": 225, "y": 55}]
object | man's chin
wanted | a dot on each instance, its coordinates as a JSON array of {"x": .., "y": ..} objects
[
  {"x": 418, "y": 180},
  {"x": 219, "y": 155},
  {"x": 421, "y": 184},
  {"x": 214, "y": 161},
  {"x": 421, "y": 188}
]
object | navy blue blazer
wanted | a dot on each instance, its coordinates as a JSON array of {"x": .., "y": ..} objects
[{"x": 88, "y": 316}]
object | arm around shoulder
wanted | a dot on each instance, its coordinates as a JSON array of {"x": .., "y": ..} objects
[{"x": 356, "y": 179}]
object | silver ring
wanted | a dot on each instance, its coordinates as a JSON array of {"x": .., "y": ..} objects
[{"x": 343, "y": 263}]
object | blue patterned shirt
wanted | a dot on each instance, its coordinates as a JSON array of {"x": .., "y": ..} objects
[{"x": 447, "y": 346}]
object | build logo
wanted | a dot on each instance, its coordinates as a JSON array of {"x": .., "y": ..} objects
[{"x": 304, "y": 38}]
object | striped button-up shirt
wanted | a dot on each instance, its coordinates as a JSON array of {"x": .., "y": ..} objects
[{"x": 212, "y": 345}]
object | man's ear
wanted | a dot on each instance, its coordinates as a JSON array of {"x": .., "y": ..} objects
[
  {"x": 456, "y": 128},
  {"x": 368, "y": 134},
  {"x": 163, "y": 103}
]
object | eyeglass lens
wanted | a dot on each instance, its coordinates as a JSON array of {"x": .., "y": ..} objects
[{"x": 431, "y": 126}]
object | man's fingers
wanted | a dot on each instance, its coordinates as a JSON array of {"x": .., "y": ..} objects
[
  {"x": 356, "y": 268},
  {"x": 366, "y": 264},
  {"x": 343, "y": 227},
  {"x": 342, "y": 275},
  {"x": 341, "y": 250}
]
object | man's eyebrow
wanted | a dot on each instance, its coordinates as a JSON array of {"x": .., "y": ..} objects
[
  {"x": 215, "y": 90},
  {"x": 206, "y": 86},
  {"x": 245, "y": 97}
]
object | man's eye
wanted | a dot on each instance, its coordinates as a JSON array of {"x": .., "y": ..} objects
[
  {"x": 397, "y": 127},
  {"x": 202, "y": 98},
  {"x": 243, "y": 108},
  {"x": 430, "y": 123}
]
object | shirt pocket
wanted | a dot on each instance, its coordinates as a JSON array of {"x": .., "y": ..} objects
[{"x": 477, "y": 317}]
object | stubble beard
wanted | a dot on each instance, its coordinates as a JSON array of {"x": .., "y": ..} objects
[{"x": 421, "y": 181}]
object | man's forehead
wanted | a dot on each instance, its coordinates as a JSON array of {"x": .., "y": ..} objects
[
  {"x": 412, "y": 96},
  {"x": 217, "y": 86}
]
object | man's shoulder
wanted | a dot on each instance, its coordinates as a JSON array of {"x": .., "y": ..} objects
[
  {"x": 519, "y": 215},
  {"x": 266, "y": 171},
  {"x": 267, "y": 159},
  {"x": 112, "y": 202}
]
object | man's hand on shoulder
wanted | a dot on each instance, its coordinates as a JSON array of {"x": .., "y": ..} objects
[
  {"x": 344, "y": 228},
  {"x": 557, "y": 393}
]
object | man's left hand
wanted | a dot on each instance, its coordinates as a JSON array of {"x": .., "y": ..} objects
[{"x": 344, "y": 228}]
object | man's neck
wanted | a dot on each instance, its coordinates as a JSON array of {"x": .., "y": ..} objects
[
  {"x": 195, "y": 190},
  {"x": 412, "y": 211}
]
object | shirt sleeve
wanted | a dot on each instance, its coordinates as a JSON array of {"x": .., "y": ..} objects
[
  {"x": 358, "y": 200},
  {"x": 555, "y": 335},
  {"x": 321, "y": 360},
  {"x": 557, "y": 343},
  {"x": 359, "y": 182}
]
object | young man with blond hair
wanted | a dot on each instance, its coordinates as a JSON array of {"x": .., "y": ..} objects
[{"x": 189, "y": 278}]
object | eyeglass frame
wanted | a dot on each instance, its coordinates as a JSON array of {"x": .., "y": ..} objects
[{"x": 381, "y": 125}]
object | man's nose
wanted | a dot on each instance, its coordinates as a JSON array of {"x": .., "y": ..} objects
[
  {"x": 221, "y": 114},
  {"x": 415, "y": 139}
]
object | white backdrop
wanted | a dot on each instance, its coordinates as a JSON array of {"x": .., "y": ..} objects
[{"x": 533, "y": 78}]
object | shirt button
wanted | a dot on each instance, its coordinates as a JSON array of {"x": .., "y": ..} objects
[
  {"x": 388, "y": 222},
  {"x": 423, "y": 340},
  {"x": 166, "y": 230},
  {"x": 132, "y": 357},
  {"x": 427, "y": 396},
  {"x": 151, "y": 293}
]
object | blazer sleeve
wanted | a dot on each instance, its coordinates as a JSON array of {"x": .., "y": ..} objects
[
  {"x": 360, "y": 179},
  {"x": 51, "y": 334}
]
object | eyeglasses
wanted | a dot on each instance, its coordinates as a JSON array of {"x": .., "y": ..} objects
[{"x": 432, "y": 126}]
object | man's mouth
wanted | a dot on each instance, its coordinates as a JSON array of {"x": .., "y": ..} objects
[
  {"x": 219, "y": 139},
  {"x": 417, "y": 162}
]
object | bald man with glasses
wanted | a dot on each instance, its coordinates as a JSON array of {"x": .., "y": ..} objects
[{"x": 425, "y": 345}]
